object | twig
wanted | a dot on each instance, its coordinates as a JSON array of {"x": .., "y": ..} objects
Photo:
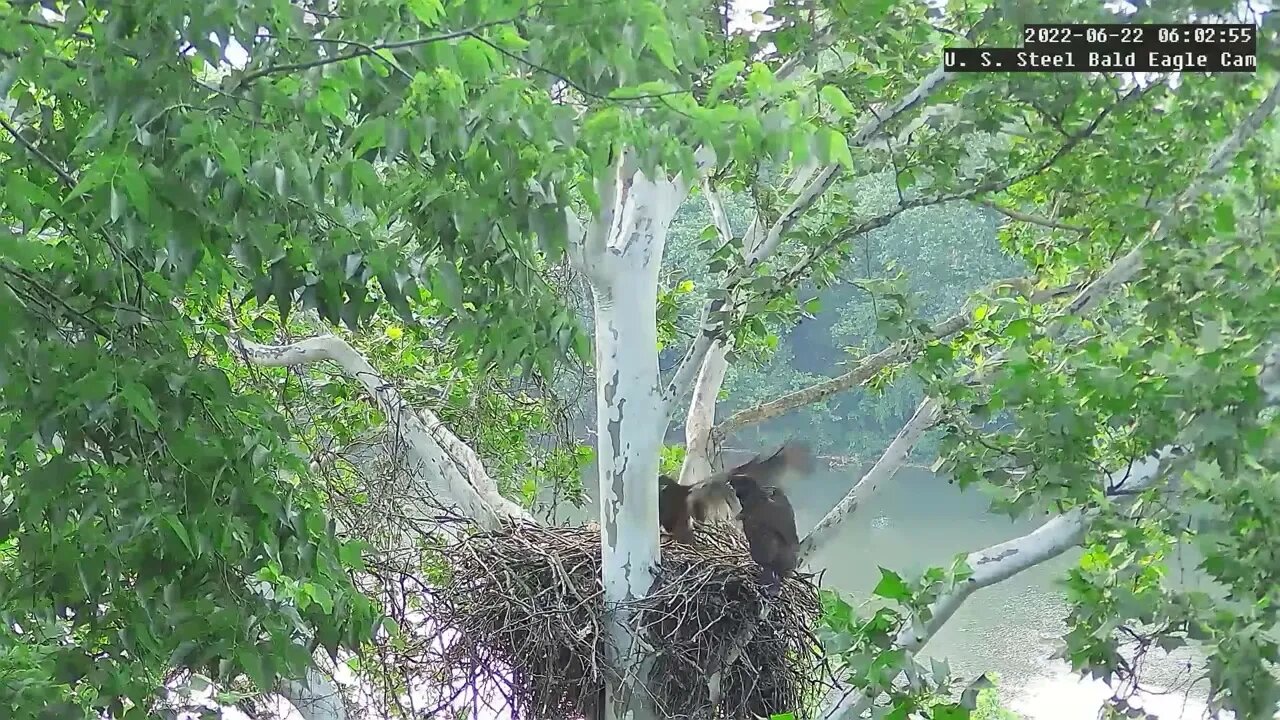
[{"x": 1033, "y": 219}]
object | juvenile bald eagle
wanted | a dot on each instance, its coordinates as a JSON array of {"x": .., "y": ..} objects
[{"x": 749, "y": 494}]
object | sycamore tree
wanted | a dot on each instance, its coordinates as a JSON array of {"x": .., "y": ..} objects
[{"x": 168, "y": 165}]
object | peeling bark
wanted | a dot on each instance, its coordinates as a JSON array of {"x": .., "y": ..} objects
[{"x": 622, "y": 264}]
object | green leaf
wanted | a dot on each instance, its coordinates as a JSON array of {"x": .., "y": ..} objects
[
  {"x": 350, "y": 554},
  {"x": 1019, "y": 328},
  {"x": 139, "y": 399},
  {"x": 892, "y": 586},
  {"x": 835, "y": 97},
  {"x": 333, "y": 100},
  {"x": 255, "y": 667},
  {"x": 175, "y": 524},
  {"x": 839, "y": 149},
  {"x": 428, "y": 12},
  {"x": 371, "y": 135},
  {"x": 117, "y": 204},
  {"x": 321, "y": 595},
  {"x": 659, "y": 41},
  {"x": 135, "y": 187},
  {"x": 723, "y": 78}
]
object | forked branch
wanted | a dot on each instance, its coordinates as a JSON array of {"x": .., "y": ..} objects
[
  {"x": 760, "y": 242},
  {"x": 995, "y": 564},
  {"x": 452, "y": 470}
]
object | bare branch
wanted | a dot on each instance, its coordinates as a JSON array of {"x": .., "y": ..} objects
[
  {"x": 691, "y": 364},
  {"x": 449, "y": 466},
  {"x": 885, "y": 468},
  {"x": 868, "y": 367},
  {"x": 718, "y": 216},
  {"x": 1031, "y": 219},
  {"x": 701, "y": 418},
  {"x": 700, "y": 422},
  {"x": 818, "y": 44},
  {"x": 611, "y": 192},
  {"x": 1000, "y": 562},
  {"x": 587, "y": 241}
]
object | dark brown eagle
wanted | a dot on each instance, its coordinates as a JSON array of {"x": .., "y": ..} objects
[{"x": 750, "y": 494}]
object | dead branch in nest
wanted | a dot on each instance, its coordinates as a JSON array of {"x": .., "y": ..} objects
[{"x": 518, "y": 617}]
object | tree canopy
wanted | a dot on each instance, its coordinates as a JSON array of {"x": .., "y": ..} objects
[{"x": 429, "y": 195}]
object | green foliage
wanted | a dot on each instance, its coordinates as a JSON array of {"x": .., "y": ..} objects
[
  {"x": 672, "y": 460},
  {"x": 157, "y": 502},
  {"x": 160, "y": 157},
  {"x": 863, "y": 646},
  {"x": 146, "y": 520},
  {"x": 1173, "y": 361}
]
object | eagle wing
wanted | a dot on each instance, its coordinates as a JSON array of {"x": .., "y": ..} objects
[{"x": 713, "y": 500}]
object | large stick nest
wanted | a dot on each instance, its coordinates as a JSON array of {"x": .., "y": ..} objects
[{"x": 524, "y": 608}]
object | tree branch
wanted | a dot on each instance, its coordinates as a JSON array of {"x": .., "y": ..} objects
[
  {"x": 761, "y": 244},
  {"x": 1131, "y": 264},
  {"x": 1007, "y": 559},
  {"x": 1000, "y": 562},
  {"x": 699, "y": 432},
  {"x": 367, "y": 50},
  {"x": 449, "y": 466},
  {"x": 885, "y": 468},
  {"x": 1031, "y": 219},
  {"x": 1088, "y": 299},
  {"x": 868, "y": 367},
  {"x": 701, "y": 418},
  {"x": 792, "y": 275},
  {"x": 991, "y": 566}
]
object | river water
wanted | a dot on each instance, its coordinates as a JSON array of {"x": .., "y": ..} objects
[{"x": 918, "y": 520}]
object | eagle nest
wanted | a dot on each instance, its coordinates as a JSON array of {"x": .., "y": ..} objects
[{"x": 522, "y": 606}]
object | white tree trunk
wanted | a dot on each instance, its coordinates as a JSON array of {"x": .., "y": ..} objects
[
  {"x": 699, "y": 439},
  {"x": 315, "y": 697},
  {"x": 621, "y": 254},
  {"x": 629, "y": 440}
]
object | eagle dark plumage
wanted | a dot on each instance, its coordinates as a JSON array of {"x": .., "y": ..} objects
[
  {"x": 674, "y": 509},
  {"x": 769, "y": 523},
  {"x": 748, "y": 493}
]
